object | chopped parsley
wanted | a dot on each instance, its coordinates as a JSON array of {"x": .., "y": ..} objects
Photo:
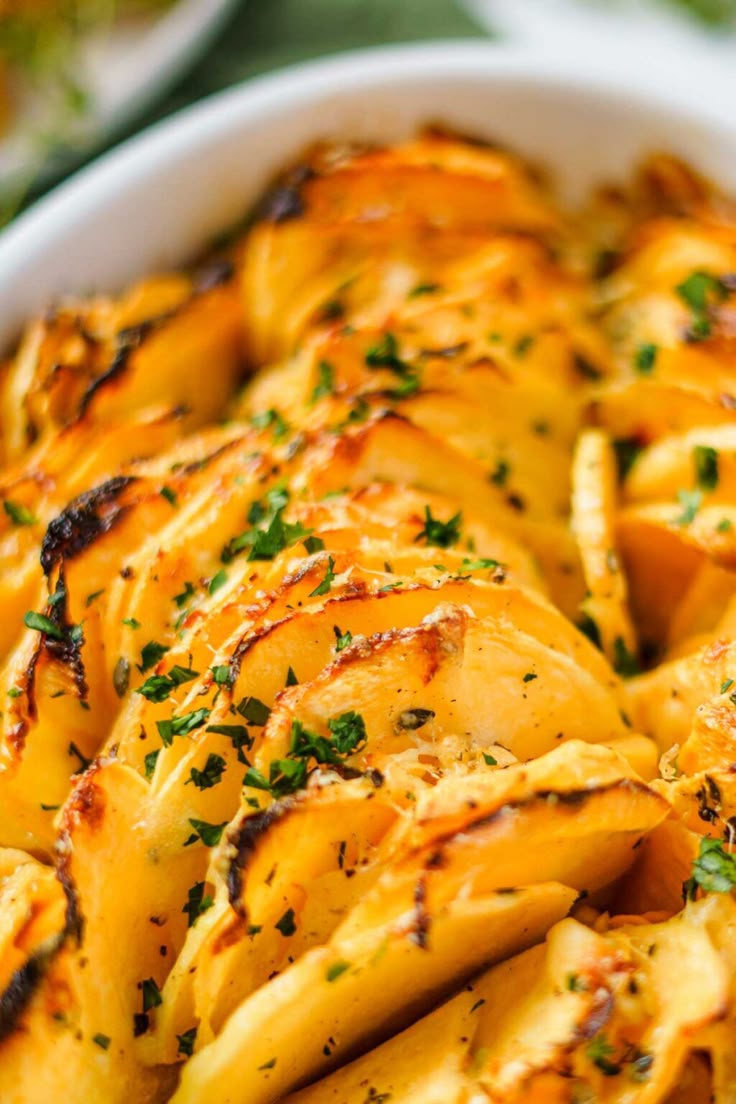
[
  {"x": 265, "y": 543},
  {"x": 157, "y": 688},
  {"x": 408, "y": 385},
  {"x": 627, "y": 451},
  {"x": 291, "y": 679},
  {"x": 348, "y": 732},
  {"x": 151, "y": 994},
  {"x": 600, "y": 1052},
  {"x": 84, "y": 762},
  {"x": 197, "y": 903},
  {"x": 423, "y": 289},
  {"x": 529, "y": 677},
  {"x": 313, "y": 544},
  {"x": 440, "y": 534},
  {"x": 102, "y": 1041},
  {"x": 181, "y": 726},
  {"x": 342, "y": 639},
  {"x": 209, "y": 834},
  {"x": 186, "y": 1042},
  {"x": 385, "y": 354},
  {"x": 489, "y": 760},
  {"x": 325, "y": 382},
  {"x": 151, "y": 654},
  {"x": 131, "y": 622},
  {"x": 254, "y": 710},
  {"x": 624, "y": 662},
  {"x": 210, "y": 775},
  {"x": 185, "y": 597},
  {"x": 645, "y": 358},
  {"x": 217, "y": 581},
  {"x": 238, "y": 736},
  {"x": 358, "y": 413},
  {"x": 325, "y": 586},
  {"x": 169, "y": 495},
  {"x": 347, "y": 736},
  {"x": 336, "y": 970},
  {"x": 18, "y": 513},
  {"x": 40, "y": 623},
  {"x": 714, "y": 870},
  {"x": 589, "y": 628},
  {"x": 481, "y": 564},
  {"x": 701, "y": 291},
  {"x": 523, "y": 345},
  {"x": 286, "y": 925},
  {"x": 271, "y": 419},
  {"x": 285, "y": 776},
  {"x": 149, "y": 762},
  {"x": 705, "y": 460},
  {"x": 690, "y": 502},
  {"x": 500, "y": 473},
  {"x": 724, "y": 525},
  {"x": 222, "y": 674}
]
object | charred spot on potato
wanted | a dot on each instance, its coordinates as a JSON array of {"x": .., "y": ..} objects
[
  {"x": 285, "y": 201},
  {"x": 244, "y": 839},
  {"x": 18, "y": 993},
  {"x": 86, "y": 518}
]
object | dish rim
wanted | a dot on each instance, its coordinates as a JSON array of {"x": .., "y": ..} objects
[{"x": 143, "y": 158}]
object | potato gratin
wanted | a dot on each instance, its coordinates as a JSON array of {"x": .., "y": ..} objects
[{"x": 412, "y": 658}]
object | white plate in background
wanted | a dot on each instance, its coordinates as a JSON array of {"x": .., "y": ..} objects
[
  {"x": 650, "y": 40},
  {"x": 124, "y": 69},
  {"x": 162, "y": 196}
]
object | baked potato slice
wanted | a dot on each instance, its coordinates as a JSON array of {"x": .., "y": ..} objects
[
  {"x": 561, "y": 1020},
  {"x": 705, "y": 611},
  {"x": 646, "y": 410},
  {"x": 381, "y": 978},
  {"x": 439, "y": 668},
  {"x": 238, "y": 945},
  {"x": 114, "y": 358},
  {"x": 78, "y": 1012},
  {"x": 393, "y": 450},
  {"x": 481, "y": 832},
  {"x": 663, "y": 702},
  {"x": 434, "y": 178},
  {"x": 424, "y": 1064},
  {"x": 594, "y": 513}
]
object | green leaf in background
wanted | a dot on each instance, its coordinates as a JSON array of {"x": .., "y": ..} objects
[{"x": 716, "y": 13}]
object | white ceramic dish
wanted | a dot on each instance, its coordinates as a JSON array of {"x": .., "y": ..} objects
[
  {"x": 159, "y": 198},
  {"x": 124, "y": 71}
]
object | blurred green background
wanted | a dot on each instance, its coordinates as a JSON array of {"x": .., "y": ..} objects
[
  {"x": 263, "y": 35},
  {"x": 266, "y": 34}
]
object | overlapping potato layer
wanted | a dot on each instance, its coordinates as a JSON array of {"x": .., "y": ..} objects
[{"x": 323, "y": 695}]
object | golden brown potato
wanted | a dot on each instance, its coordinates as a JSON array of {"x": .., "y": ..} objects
[
  {"x": 312, "y": 706},
  {"x": 614, "y": 1014}
]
